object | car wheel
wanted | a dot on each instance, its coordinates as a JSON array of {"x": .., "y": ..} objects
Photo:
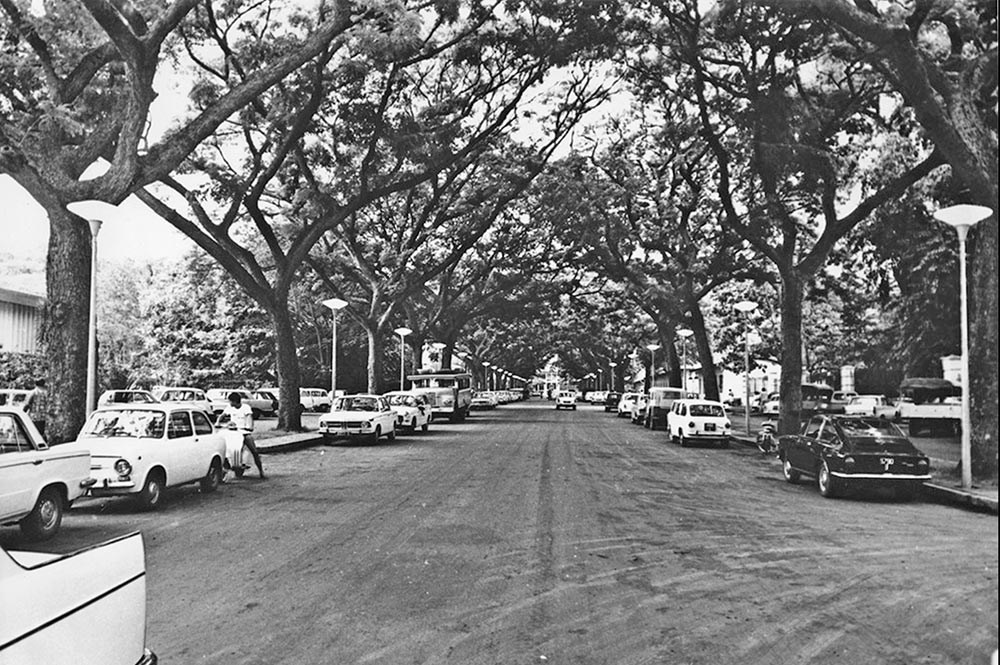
[
  {"x": 376, "y": 434},
  {"x": 574, "y": 407},
  {"x": 44, "y": 519},
  {"x": 424, "y": 427},
  {"x": 391, "y": 435},
  {"x": 914, "y": 428},
  {"x": 826, "y": 482},
  {"x": 791, "y": 475},
  {"x": 212, "y": 479},
  {"x": 683, "y": 439},
  {"x": 152, "y": 491},
  {"x": 256, "y": 413}
]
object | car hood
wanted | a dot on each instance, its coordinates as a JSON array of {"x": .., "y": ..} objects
[{"x": 341, "y": 415}]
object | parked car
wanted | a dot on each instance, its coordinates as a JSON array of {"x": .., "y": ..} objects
[
  {"x": 771, "y": 405},
  {"x": 38, "y": 484},
  {"x": 260, "y": 405},
  {"x": 192, "y": 396},
  {"x": 840, "y": 400},
  {"x": 363, "y": 415},
  {"x": 268, "y": 395},
  {"x": 853, "y": 451},
  {"x": 611, "y": 401},
  {"x": 412, "y": 410},
  {"x": 484, "y": 400},
  {"x": 126, "y": 397},
  {"x": 314, "y": 399},
  {"x": 566, "y": 399},
  {"x": 138, "y": 450},
  {"x": 638, "y": 412},
  {"x": 13, "y": 397},
  {"x": 699, "y": 421},
  {"x": 597, "y": 396},
  {"x": 625, "y": 404},
  {"x": 872, "y": 405},
  {"x": 85, "y": 607}
]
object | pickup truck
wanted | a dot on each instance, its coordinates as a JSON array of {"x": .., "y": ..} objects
[
  {"x": 930, "y": 404},
  {"x": 37, "y": 483}
]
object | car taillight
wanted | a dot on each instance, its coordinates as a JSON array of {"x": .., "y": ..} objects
[
  {"x": 923, "y": 465},
  {"x": 848, "y": 461},
  {"x": 123, "y": 468}
]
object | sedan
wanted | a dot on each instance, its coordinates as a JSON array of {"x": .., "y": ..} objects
[
  {"x": 139, "y": 450},
  {"x": 365, "y": 416},
  {"x": 412, "y": 410},
  {"x": 846, "y": 451}
]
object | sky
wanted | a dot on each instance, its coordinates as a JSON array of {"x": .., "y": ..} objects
[{"x": 133, "y": 231}]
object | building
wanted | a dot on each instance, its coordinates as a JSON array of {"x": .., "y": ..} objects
[{"x": 20, "y": 321}]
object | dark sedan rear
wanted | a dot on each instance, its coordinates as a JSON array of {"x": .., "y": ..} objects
[
  {"x": 849, "y": 451},
  {"x": 611, "y": 401}
]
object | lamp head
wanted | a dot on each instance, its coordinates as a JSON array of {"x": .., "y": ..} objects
[
  {"x": 652, "y": 347},
  {"x": 745, "y": 306},
  {"x": 335, "y": 304},
  {"x": 963, "y": 217},
  {"x": 684, "y": 332},
  {"x": 402, "y": 332}
]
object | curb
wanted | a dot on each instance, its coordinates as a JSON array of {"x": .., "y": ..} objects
[
  {"x": 289, "y": 442},
  {"x": 938, "y": 493}
]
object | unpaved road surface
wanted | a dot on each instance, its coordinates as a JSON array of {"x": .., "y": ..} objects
[{"x": 527, "y": 535}]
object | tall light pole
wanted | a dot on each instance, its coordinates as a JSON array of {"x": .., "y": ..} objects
[
  {"x": 402, "y": 332},
  {"x": 612, "y": 364},
  {"x": 600, "y": 379},
  {"x": 962, "y": 218},
  {"x": 745, "y": 307},
  {"x": 634, "y": 357},
  {"x": 684, "y": 333},
  {"x": 486, "y": 371},
  {"x": 652, "y": 363},
  {"x": 335, "y": 305}
]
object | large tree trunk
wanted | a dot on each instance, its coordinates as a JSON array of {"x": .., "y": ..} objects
[
  {"x": 791, "y": 352},
  {"x": 709, "y": 381},
  {"x": 374, "y": 360},
  {"x": 65, "y": 332},
  {"x": 289, "y": 379}
]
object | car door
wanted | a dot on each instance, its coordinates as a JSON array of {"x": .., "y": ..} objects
[
  {"x": 21, "y": 466},
  {"x": 186, "y": 464},
  {"x": 386, "y": 416},
  {"x": 805, "y": 447}
]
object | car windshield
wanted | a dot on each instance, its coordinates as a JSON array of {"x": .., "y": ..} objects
[
  {"x": 125, "y": 423},
  {"x": 355, "y": 404},
  {"x": 179, "y": 396},
  {"x": 713, "y": 410},
  {"x": 402, "y": 400},
  {"x": 869, "y": 430},
  {"x": 125, "y": 397}
]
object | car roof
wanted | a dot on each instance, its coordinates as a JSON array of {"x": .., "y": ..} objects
[
  {"x": 147, "y": 406},
  {"x": 692, "y": 400}
]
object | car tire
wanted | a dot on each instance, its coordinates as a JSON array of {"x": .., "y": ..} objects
[
  {"x": 376, "y": 434},
  {"x": 256, "y": 413},
  {"x": 424, "y": 427},
  {"x": 44, "y": 519},
  {"x": 683, "y": 440},
  {"x": 391, "y": 435},
  {"x": 828, "y": 486},
  {"x": 212, "y": 479},
  {"x": 574, "y": 407},
  {"x": 914, "y": 428},
  {"x": 791, "y": 474},
  {"x": 151, "y": 494}
]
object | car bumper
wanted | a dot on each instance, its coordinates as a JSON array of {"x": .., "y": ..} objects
[{"x": 882, "y": 477}]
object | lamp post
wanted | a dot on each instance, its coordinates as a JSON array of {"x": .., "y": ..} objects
[
  {"x": 652, "y": 363},
  {"x": 612, "y": 364},
  {"x": 335, "y": 305},
  {"x": 962, "y": 218},
  {"x": 402, "y": 332},
  {"x": 745, "y": 307},
  {"x": 684, "y": 333},
  {"x": 486, "y": 372}
]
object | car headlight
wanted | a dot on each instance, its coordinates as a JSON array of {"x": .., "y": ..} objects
[
  {"x": 123, "y": 468},
  {"x": 726, "y": 425},
  {"x": 692, "y": 425},
  {"x": 367, "y": 424}
]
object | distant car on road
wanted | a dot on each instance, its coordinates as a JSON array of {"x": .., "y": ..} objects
[
  {"x": 566, "y": 399},
  {"x": 625, "y": 404},
  {"x": 38, "y": 484},
  {"x": 611, "y": 401},
  {"x": 139, "y": 450},
  {"x": 841, "y": 452},
  {"x": 698, "y": 421},
  {"x": 314, "y": 399},
  {"x": 85, "y": 607},
  {"x": 362, "y": 415},
  {"x": 840, "y": 400},
  {"x": 126, "y": 397},
  {"x": 872, "y": 405}
]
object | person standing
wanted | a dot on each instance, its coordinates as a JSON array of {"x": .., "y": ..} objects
[
  {"x": 241, "y": 416},
  {"x": 37, "y": 405}
]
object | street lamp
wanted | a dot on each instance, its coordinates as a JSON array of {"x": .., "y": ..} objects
[
  {"x": 335, "y": 305},
  {"x": 600, "y": 379},
  {"x": 652, "y": 363},
  {"x": 684, "y": 333},
  {"x": 962, "y": 218},
  {"x": 402, "y": 332},
  {"x": 91, "y": 210},
  {"x": 745, "y": 307},
  {"x": 486, "y": 370},
  {"x": 612, "y": 364}
]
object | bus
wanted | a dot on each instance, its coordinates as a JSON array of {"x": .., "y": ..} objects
[{"x": 449, "y": 391}]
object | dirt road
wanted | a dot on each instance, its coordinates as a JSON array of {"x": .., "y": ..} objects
[{"x": 527, "y": 535}]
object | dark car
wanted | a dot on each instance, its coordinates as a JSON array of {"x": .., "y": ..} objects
[
  {"x": 851, "y": 451},
  {"x": 611, "y": 402}
]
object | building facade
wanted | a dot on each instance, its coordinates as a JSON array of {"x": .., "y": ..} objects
[{"x": 20, "y": 321}]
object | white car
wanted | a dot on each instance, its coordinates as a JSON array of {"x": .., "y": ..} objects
[
  {"x": 314, "y": 399},
  {"x": 566, "y": 399},
  {"x": 138, "y": 450},
  {"x": 699, "y": 421},
  {"x": 260, "y": 405},
  {"x": 128, "y": 396},
  {"x": 771, "y": 406},
  {"x": 625, "y": 404},
  {"x": 37, "y": 483},
  {"x": 85, "y": 607},
  {"x": 368, "y": 416},
  {"x": 637, "y": 414},
  {"x": 597, "y": 396},
  {"x": 191, "y": 396},
  {"x": 412, "y": 410},
  {"x": 872, "y": 405}
]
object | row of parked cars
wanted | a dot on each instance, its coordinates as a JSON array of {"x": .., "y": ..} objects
[{"x": 263, "y": 401}]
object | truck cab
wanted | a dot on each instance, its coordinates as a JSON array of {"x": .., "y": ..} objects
[{"x": 449, "y": 392}]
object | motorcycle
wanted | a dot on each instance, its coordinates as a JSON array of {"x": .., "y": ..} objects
[
  {"x": 767, "y": 442},
  {"x": 238, "y": 455}
]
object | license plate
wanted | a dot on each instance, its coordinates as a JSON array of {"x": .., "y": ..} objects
[{"x": 709, "y": 427}]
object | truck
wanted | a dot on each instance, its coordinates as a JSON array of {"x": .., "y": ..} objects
[
  {"x": 931, "y": 405},
  {"x": 448, "y": 391}
]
